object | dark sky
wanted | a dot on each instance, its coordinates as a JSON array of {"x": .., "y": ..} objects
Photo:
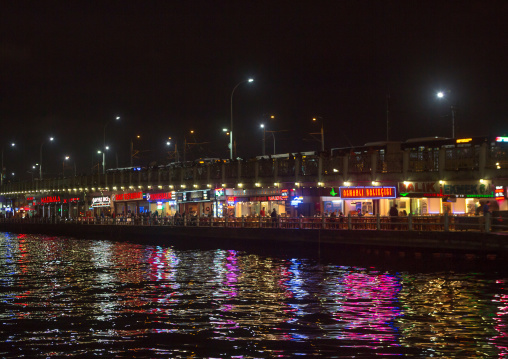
[{"x": 168, "y": 67}]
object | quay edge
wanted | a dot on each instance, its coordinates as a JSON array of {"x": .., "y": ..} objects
[{"x": 459, "y": 243}]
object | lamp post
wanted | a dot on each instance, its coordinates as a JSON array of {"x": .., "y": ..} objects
[
  {"x": 66, "y": 158},
  {"x": 231, "y": 139},
  {"x": 40, "y": 161},
  {"x": 104, "y": 146},
  {"x": 263, "y": 151},
  {"x": 132, "y": 148},
  {"x": 2, "y": 168},
  {"x": 322, "y": 132},
  {"x": 441, "y": 95}
]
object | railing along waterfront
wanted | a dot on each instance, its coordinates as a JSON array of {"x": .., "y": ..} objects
[{"x": 443, "y": 223}]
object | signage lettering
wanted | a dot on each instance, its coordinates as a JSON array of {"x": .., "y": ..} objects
[
  {"x": 128, "y": 196},
  {"x": 366, "y": 192},
  {"x": 101, "y": 202},
  {"x": 158, "y": 197},
  {"x": 50, "y": 199}
]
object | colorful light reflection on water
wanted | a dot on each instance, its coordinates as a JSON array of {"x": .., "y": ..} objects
[{"x": 67, "y": 297}]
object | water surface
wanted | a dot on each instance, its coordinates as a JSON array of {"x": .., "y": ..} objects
[{"x": 68, "y": 297}]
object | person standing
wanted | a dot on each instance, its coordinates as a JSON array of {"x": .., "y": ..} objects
[
  {"x": 263, "y": 212},
  {"x": 394, "y": 213},
  {"x": 274, "y": 218}
]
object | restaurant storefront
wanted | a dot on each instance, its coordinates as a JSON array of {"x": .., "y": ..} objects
[
  {"x": 101, "y": 205},
  {"x": 129, "y": 204},
  {"x": 162, "y": 203},
  {"x": 256, "y": 202},
  {"x": 453, "y": 197},
  {"x": 367, "y": 200},
  {"x": 195, "y": 203},
  {"x": 64, "y": 206}
]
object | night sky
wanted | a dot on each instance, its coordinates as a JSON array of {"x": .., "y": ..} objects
[{"x": 168, "y": 67}]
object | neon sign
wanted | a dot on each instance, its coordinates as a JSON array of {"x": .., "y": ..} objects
[
  {"x": 127, "y": 196},
  {"x": 284, "y": 194},
  {"x": 159, "y": 197},
  {"x": 50, "y": 199},
  {"x": 366, "y": 192},
  {"x": 296, "y": 200},
  {"x": 276, "y": 198}
]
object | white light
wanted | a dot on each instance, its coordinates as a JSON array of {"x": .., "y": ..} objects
[
  {"x": 347, "y": 184},
  {"x": 440, "y": 94},
  {"x": 262, "y": 126},
  {"x": 117, "y": 117},
  {"x": 225, "y": 130},
  {"x": 168, "y": 143},
  {"x": 251, "y": 80},
  {"x": 335, "y": 170},
  {"x": 240, "y": 185},
  {"x": 51, "y": 138},
  {"x": 481, "y": 181}
]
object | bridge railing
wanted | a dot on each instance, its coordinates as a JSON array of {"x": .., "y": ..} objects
[{"x": 374, "y": 223}]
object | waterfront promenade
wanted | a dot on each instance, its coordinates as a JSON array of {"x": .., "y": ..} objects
[{"x": 451, "y": 235}]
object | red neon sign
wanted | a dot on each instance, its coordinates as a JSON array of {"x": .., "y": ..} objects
[
  {"x": 50, "y": 199},
  {"x": 128, "y": 196},
  {"x": 366, "y": 192},
  {"x": 159, "y": 196}
]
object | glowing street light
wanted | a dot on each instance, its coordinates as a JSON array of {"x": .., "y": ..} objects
[
  {"x": 2, "y": 168},
  {"x": 40, "y": 162},
  {"x": 441, "y": 95},
  {"x": 315, "y": 119},
  {"x": 231, "y": 139},
  {"x": 104, "y": 144}
]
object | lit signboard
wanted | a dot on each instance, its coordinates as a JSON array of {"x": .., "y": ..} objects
[
  {"x": 499, "y": 193},
  {"x": 296, "y": 200},
  {"x": 284, "y": 194},
  {"x": 50, "y": 199},
  {"x": 464, "y": 140},
  {"x": 128, "y": 196},
  {"x": 501, "y": 139},
  {"x": 276, "y": 198},
  {"x": 219, "y": 192},
  {"x": 101, "y": 202},
  {"x": 366, "y": 192},
  {"x": 159, "y": 197}
]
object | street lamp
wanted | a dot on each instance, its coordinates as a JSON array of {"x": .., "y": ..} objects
[
  {"x": 2, "y": 168},
  {"x": 40, "y": 162},
  {"x": 315, "y": 119},
  {"x": 104, "y": 144},
  {"x": 132, "y": 148},
  {"x": 264, "y": 138},
  {"x": 66, "y": 158},
  {"x": 231, "y": 140},
  {"x": 441, "y": 95}
]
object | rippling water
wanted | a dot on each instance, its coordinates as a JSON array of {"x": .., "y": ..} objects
[{"x": 68, "y": 297}]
